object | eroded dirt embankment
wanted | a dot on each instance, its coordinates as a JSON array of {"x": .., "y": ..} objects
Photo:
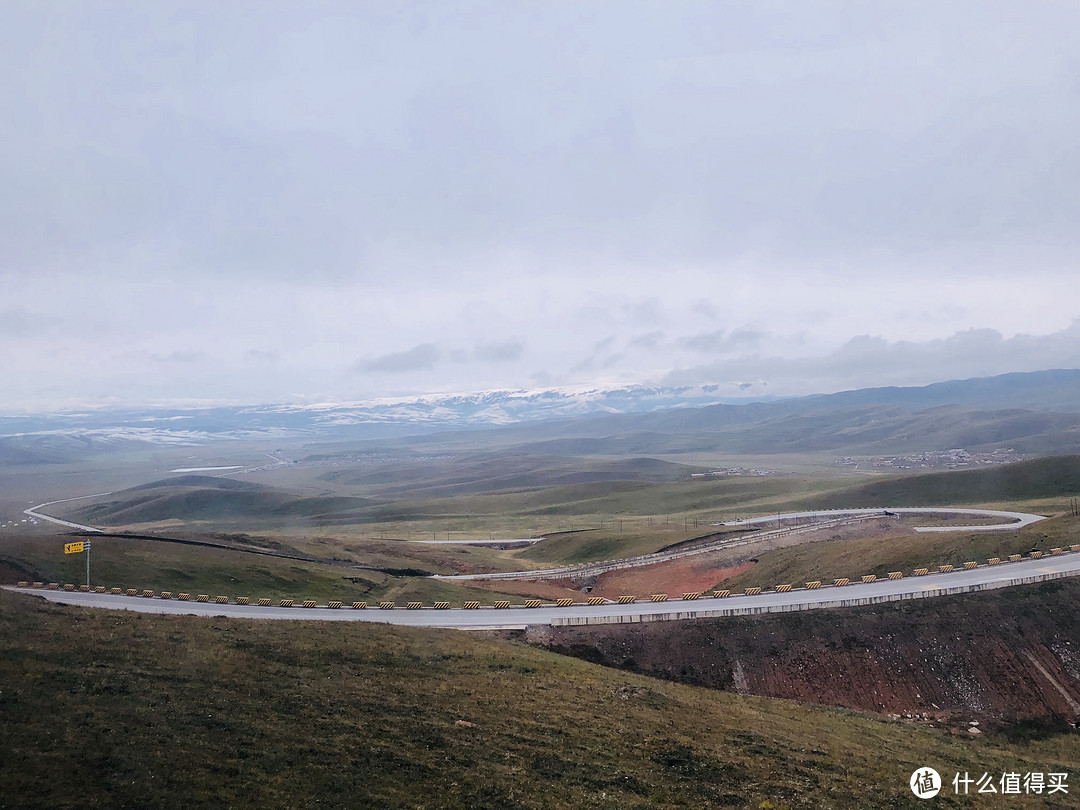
[{"x": 1004, "y": 654}]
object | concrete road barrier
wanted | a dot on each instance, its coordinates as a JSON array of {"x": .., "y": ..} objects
[
  {"x": 202, "y": 597},
  {"x": 921, "y": 572},
  {"x": 721, "y": 594},
  {"x": 1057, "y": 551},
  {"x": 533, "y": 603},
  {"x": 813, "y": 585},
  {"x": 243, "y": 600},
  {"x": 285, "y": 603},
  {"x": 502, "y": 604},
  {"x": 472, "y": 606},
  {"x": 69, "y": 587},
  {"x": 53, "y": 586},
  {"x": 24, "y": 584},
  {"x": 627, "y": 600},
  {"x": 132, "y": 592},
  {"x": 753, "y": 591},
  {"x": 387, "y": 605},
  {"x": 183, "y": 597},
  {"x": 446, "y": 605},
  {"x": 945, "y": 569},
  {"x": 1015, "y": 558},
  {"x": 896, "y": 575},
  {"x": 783, "y": 588},
  {"x": 222, "y": 600},
  {"x": 333, "y": 605},
  {"x": 994, "y": 561},
  {"x": 970, "y": 564},
  {"x": 309, "y": 603},
  {"x": 148, "y": 594},
  {"x": 264, "y": 602},
  {"x": 166, "y": 594},
  {"x": 1036, "y": 555},
  {"x": 39, "y": 584},
  {"x": 414, "y": 605},
  {"x": 841, "y": 582},
  {"x": 692, "y": 595},
  {"x": 84, "y": 588},
  {"x": 869, "y": 578},
  {"x": 359, "y": 605},
  {"x": 99, "y": 589},
  {"x": 1073, "y": 547},
  {"x": 658, "y": 597},
  {"x": 597, "y": 600},
  {"x": 564, "y": 602}
]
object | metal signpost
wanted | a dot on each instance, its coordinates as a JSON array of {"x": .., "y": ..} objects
[{"x": 78, "y": 548}]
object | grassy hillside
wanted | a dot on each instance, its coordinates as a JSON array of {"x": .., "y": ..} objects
[
  {"x": 1026, "y": 480},
  {"x": 105, "y": 709}
]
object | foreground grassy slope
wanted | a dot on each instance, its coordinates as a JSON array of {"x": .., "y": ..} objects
[{"x": 103, "y": 709}]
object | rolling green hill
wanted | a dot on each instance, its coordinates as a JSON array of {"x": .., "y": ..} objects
[{"x": 1026, "y": 480}]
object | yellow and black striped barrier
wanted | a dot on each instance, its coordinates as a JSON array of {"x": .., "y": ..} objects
[
  {"x": 921, "y": 572},
  {"x": 202, "y": 597},
  {"x": 1056, "y": 551},
  {"x": 1035, "y": 555},
  {"x": 994, "y": 561},
  {"x": 502, "y": 604},
  {"x": 472, "y": 606},
  {"x": 658, "y": 597},
  {"x": 533, "y": 603},
  {"x": 84, "y": 588},
  {"x": 183, "y": 597},
  {"x": 626, "y": 600},
  {"x": 814, "y": 585},
  {"x": 243, "y": 600},
  {"x": 53, "y": 586},
  {"x": 442, "y": 605},
  {"x": 1015, "y": 558},
  {"x": 721, "y": 594},
  {"x": 753, "y": 591},
  {"x": 414, "y": 605},
  {"x": 841, "y": 582},
  {"x": 132, "y": 592},
  {"x": 99, "y": 589},
  {"x": 222, "y": 600},
  {"x": 148, "y": 594},
  {"x": 945, "y": 569},
  {"x": 869, "y": 578},
  {"x": 691, "y": 595},
  {"x": 1073, "y": 547},
  {"x": 285, "y": 603},
  {"x": 896, "y": 575},
  {"x": 970, "y": 564},
  {"x": 24, "y": 584},
  {"x": 597, "y": 600},
  {"x": 387, "y": 605},
  {"x": 264, "y": 602},
  {"x": 69, "y": 587},
  {"x": 39, "y": 584},
  {"x": 783, "y": 588},
  {"x": 359, "y": 605},
  {"x": 565, "y": 602},
  {"x": 309, "y": 603},
  {"x": 166, "y": 595},
  {"x": 333, "y": 605}
]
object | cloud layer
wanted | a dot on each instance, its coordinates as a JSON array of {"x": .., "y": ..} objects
[{"x": 277, "y": 201}]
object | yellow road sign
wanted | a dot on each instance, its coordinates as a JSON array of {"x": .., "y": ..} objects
[{"x": 73, "y": 548}]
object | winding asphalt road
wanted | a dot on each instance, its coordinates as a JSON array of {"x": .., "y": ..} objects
[{"x": 983, "y": 577}]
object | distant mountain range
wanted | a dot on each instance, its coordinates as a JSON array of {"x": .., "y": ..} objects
[{"x": 1039, "y": 409}]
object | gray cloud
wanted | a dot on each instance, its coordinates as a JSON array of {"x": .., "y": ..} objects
[
  {"x": 506, "y": 352},
  {"x": 418, "y": 358},
  {"x": 720, "y": 341}
]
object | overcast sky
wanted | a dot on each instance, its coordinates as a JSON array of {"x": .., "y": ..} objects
[{"x": 267, "y": 202}]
